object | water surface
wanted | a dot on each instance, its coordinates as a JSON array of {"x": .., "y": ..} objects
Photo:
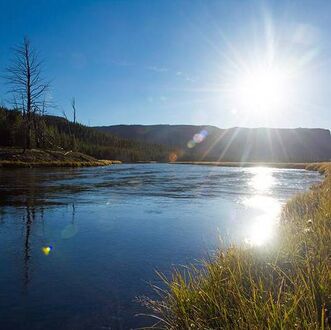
[{"x": 78, "y": 245}]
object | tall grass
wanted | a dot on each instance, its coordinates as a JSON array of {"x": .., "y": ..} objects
[{"x": 282, "y": 286}]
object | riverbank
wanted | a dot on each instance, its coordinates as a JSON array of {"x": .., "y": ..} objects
[
  {"x": 250, "y": 164},
  {"x": 285, "y": 285},
  {"x": 17, "y": 158}
]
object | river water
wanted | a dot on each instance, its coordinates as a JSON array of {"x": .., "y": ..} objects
[{"x": 77, "y": 246}]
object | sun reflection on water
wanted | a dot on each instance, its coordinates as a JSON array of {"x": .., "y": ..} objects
[
  {"x": 262, "y": 179},
  {"x": 263, "y": 226}
]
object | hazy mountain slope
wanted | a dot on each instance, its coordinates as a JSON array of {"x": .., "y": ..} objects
[
  {"x": 234, "y": 144},
  {"x": 171, "y": 135}
]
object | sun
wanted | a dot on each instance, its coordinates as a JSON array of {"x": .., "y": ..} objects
[{"x": 263, "y": 88}]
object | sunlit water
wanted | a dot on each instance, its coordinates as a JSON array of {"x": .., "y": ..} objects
[{"x": 78, "y": 245}]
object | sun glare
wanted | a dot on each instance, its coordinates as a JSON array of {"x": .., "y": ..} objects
[
  {"x": 263, "y": 88},
  {"x": 262, "y": 179},
  {"x": 262, "y": 227}
]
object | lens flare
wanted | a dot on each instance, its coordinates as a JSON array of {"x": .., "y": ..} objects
[
  {"x": 204, "y": 133},
  {"x": 172, "y": 157},
  {"x": 197, "y": 138},
  {"x": 46, "y": 250},
  {"x": 191, "y": 144},
  {"x": 69, "y": 231}
]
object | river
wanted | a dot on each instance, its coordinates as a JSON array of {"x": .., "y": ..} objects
[{"x": 77, "y": 246}]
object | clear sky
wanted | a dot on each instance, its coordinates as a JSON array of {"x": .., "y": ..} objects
[{"x": 180, "y": 62}]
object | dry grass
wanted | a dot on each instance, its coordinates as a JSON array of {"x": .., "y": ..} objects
[
  {"x": 16, "y": 158},
  {"x": 20, "y": 164},
  {"x": 250, "y": 164},
  {"x": 284, "y": 286}
]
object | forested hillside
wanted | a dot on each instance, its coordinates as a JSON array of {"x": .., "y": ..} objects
[
  {"x": 133, "y": 143},
  {"x": 57, "y": 133},
  {"x": 211, "y": 143}
]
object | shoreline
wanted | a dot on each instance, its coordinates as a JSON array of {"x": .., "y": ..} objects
[
  {"x": 11, "y": 157},
  {"x": 64, "y": 164},
  {"x": 38, "y": 158},
  {"x": 8, "y": 163},
  {"x": 254, "y": 164}
]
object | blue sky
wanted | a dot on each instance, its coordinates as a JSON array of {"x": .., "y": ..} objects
[{"x": 176, "y": 62}]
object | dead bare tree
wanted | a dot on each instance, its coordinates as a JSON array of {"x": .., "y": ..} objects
[
  {"x": 67, "y": 121},
  {"x": 29, "y": 88},
  {"x": 72, "y": 136},
  {"x": 73, "y": 105}
]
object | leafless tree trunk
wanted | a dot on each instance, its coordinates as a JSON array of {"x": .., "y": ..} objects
[
  {"x": 73, "y": 105},
  {"x": 68, "y": 122},
  {"x": 24, "y": 77},
  {"x": 72, "y": 136},
  {"x": 39, "y": 125}
]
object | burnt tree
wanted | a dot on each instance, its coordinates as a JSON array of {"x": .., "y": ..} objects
[{"x": 29, "y": 89}]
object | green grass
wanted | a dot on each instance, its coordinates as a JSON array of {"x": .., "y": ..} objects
[{"x": 286, "y": 285}]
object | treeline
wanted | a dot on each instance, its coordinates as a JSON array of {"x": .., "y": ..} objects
[{"x": 58, "y": 133}]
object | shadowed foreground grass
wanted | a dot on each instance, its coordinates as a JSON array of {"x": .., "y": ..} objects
[{"x": 286, "y": 285}]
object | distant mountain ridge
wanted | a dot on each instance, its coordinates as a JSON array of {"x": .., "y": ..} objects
[{"x": 211, "y": 143}]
